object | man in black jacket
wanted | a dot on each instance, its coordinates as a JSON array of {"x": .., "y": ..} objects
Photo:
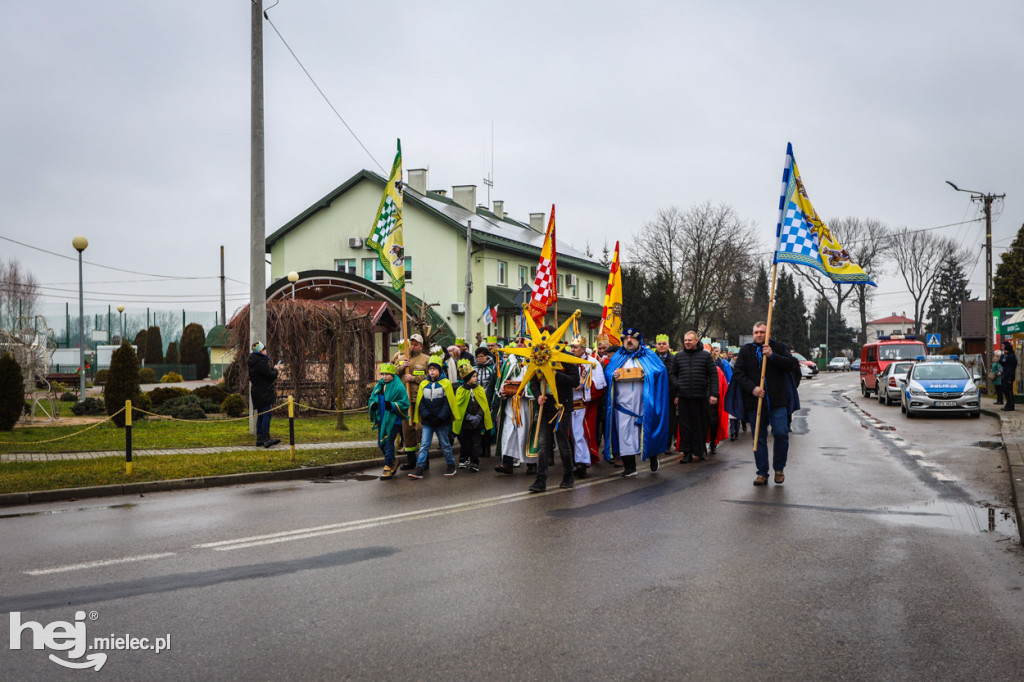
[
  {"x": 662, "y": 350},
  {"x": 554, "y": 428},
  {"x": 262, "y": 377},
  {"x": 779, "y": 398},
  {"x": 696, "y": 382}
]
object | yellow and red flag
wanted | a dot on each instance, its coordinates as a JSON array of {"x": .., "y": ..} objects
[
  {"x": 611, "y": 318},
  {"x": 545, "y": 293}
]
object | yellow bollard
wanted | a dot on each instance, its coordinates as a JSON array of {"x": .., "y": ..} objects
[
  {"x": 291, "y": 426},
  {"x": 128, "y": 437}
]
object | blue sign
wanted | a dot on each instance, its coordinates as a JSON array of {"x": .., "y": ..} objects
[{"x": 933, "y": 341}]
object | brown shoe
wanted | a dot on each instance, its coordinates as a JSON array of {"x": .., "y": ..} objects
[
  {"x": 761, "y": 480},
  {"x": 779, "y": 477}
]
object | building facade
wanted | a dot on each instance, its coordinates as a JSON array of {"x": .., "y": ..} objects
[{"x": 331, "y": 235}]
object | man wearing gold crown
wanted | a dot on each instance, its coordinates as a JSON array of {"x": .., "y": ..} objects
[
  {"x": 637, "y": 419},
  {"x": 584, "y": 434}
]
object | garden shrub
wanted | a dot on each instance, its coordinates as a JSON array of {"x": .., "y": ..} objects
[
  {"x": 101, "y": 377},
  {"x": 232, "y": 378},
  {"x": 12, "y": 392},
  {"x": 90, "y": 406},
  {"x": 154, "y": 353},
  {"x": 147, "y": 375},
  {"x": 193, "y": 349},
  {"x": 171, "y": 357},
  {"x": 171, "y": 378},
  {"x": 122, "y": 383},
  {"x": 68, "y": 398},
  {"x": 183, "y": 407},
  {"x": 161, "y": 394},
  {"x": 234, "y": 405},
  {"x": 214, "y": 392}
]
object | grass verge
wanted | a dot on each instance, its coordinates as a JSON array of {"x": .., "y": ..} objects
[
  {"x": 163, "y": 433},
  {"x": 19, "y": 477}
]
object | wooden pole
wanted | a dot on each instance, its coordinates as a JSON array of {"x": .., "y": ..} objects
[{"x": 764, "y": 358}]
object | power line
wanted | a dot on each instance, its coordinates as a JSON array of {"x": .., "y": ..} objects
[{"x": 322, "y": 94}]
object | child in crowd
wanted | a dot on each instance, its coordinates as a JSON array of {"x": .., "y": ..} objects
[
  {"x": 472, "y": 418},
  {"x": 389, "y": 407},
  {"x": 435, "y": 411}
]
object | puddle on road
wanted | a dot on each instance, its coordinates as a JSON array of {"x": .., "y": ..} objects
[
  {"x": 271, "y": 491},
  {"x": 990, "y": 444},
  {"x": 832, "y": 450},
  {"x": 46, "y": 512},
  {"x": 345, "y": 477},
  {"x": 954, "y": 515}
]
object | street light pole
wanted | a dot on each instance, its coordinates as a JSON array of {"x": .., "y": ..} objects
[
  {"x": 81, "y": 244},
  {"x": 120, "y": 313},
  {"x": 293, "y": 277},
  {"x": 986, "y": 200}
]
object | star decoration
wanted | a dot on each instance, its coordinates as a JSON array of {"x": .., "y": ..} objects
[{"x": 542, "y": 351}]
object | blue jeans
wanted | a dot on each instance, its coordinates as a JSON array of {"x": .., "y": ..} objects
[
  {"x": 263, "y": 420},
  {"x": 779, "y": 420},
  {"x": 388, "y": 444},
  {"x": 442, "y": 437}
]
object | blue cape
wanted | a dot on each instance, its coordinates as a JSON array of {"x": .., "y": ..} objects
[{"x": 654, "y": 434}]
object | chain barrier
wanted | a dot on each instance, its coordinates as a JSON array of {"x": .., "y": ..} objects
[
  {"x": 66, "y": 436},
  {"x": 167, "y": 417}
]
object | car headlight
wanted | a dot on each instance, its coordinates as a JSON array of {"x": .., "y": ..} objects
[
  {"x": 917, "y": 390},
  {"x": 971, "y": 390}
]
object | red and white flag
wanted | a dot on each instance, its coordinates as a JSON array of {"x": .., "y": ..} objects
[{"x": 545, "y": 293}]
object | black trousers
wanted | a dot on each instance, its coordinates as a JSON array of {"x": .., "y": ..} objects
[
  {"x": 549, "y": 435},
  {"x": 693, "y": 425},
  {"x": 1008, "y": 392},
  {"x": 469, "y": 445}
]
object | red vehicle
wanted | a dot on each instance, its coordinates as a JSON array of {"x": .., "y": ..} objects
[{"x": 875, "y": 357}]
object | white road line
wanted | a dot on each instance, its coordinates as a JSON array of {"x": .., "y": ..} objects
[
  {"x": 375, "y": 522},
  {"x": 98, "y": 564}
]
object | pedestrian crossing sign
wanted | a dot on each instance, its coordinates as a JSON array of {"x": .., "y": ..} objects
[{"x": 933, "y": 341}]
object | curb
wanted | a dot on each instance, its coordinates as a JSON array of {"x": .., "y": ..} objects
[{"x": 141, "y": 488}]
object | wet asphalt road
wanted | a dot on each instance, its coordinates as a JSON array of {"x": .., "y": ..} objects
[{"x": 873, "y": 561}]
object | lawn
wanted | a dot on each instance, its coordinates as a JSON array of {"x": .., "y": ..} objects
[
  {"x": 164, "y": 433},
  {"x": 33, "y": 476}
]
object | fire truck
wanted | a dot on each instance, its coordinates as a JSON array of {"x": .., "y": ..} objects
[{"x": 875, "y": 357}]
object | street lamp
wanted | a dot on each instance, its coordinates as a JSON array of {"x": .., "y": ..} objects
[
  {"x": 81, "y": 243},
  {"x": 120, "y": 313},
  {"x": 293, "y": 277}
]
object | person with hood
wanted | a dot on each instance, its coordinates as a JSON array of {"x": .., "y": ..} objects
[
  {"x": 636, "y": 419},
  {"x": 779, "y": 398},
  {"x": 435, "y": 411},
  {"x": 389, "y": 408},
  {"x": 472, "y": 417},
  {"x": 487, "y": 377},
  {"x": 554, "y": 424},
  {"x": 1009, "y": 363},
  {"x": 696, "y": 392},
  {"x": 261, "y": 390}
]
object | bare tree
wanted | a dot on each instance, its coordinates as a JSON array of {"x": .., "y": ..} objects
[
  {"x": 699, "y": 252},
  {"x": 919, "y": 258},
  {"x": 19, "y": 294},
  {"x": 870, "y": 240}
]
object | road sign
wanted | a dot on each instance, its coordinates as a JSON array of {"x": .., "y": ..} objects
[{"x": 933, "y": 341}]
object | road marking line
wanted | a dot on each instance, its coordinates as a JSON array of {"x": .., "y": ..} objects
[
  {"x": 98, "y": 564},
  {"x": 362, "y": 524}
]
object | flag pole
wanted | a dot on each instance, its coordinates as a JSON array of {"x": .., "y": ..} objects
[
  {"x": 764, "y": 358},
  {"x": 405, "y": 325}
]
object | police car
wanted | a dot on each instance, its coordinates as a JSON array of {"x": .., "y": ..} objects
[{"x": 939, "y": 384}]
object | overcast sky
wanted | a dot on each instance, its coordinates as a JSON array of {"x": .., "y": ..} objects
[{"x": 128, "y": 122}]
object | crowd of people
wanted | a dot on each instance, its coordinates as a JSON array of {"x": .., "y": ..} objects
[{"x": 625, "y": 403}]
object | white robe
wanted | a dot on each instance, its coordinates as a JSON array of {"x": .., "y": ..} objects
[
  {"x": 515, "y": 438},
  {"x": 580, "y": 447},
  {"x": 629, "y": 395}
]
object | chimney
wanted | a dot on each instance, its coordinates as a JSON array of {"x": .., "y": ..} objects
[
  {"x": 499, "y": 209},
  {"x": 465, "y": 196},
  {"x": 418, "y": 180},
  {"x": 537, "y": 222},
  {"x": 440, "y": 192}
]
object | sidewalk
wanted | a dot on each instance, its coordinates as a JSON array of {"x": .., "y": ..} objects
[
  {"x": 1012, "y": 427},
  {"x": 96, "y": 454}
]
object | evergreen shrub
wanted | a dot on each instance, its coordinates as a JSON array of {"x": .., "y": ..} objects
[
  {"x": 122, "y": 382},
  {"x": 234, "y": 405},
  {"x": 12, "y": 392},
  {"x": 171, "y": 378}
]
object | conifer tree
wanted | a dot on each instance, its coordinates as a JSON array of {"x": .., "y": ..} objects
[
  {"x": 171, "y": 358},
  {"x": 12, "y": 392},
  {"x": 1008, "y": 282},
  {"x": 154, "y": 346},
  {"x": 193, "y": 349},
  {"x": 123, "y": 381}
]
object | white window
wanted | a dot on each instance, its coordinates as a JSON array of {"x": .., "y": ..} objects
[
  {"x": 502, "y": 273},
  {"x": 590, "y": 290},
  {"x": 373, "y": 270},
  {"x": 408, "y": 268},
  {"x": 522, "y": 276},
  {"x": 558, "y": 285},
  {"x": 346, "y": 265}
]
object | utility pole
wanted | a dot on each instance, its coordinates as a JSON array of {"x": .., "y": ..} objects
[
  {"x": 257, "y": 194},
  {"x": 469, "y": 273},
  {"x": 986, "y": 202},
  {"x": 223, "y": 307}
]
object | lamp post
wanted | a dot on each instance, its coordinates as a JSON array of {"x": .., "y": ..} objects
[
  {"x": 293, "y": 277},
  {"x": 120, "y": 313},
  {"x": 81, "y": 243},
  {"x": 986, "y": 200}
]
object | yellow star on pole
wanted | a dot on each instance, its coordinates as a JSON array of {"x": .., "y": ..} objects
[{"x": 542, "y": 351}]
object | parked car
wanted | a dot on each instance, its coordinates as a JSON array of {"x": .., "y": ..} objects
[
  {"x": 855, "y": 365},
  {"x": 839, "y": 364},
  {"x": 939, "y": 384},
  {"x": 812, "y": 368},
  {"x": 890, "y": 381}
]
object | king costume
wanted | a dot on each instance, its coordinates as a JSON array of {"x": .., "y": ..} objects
[{"x": 636, "y": 421}]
